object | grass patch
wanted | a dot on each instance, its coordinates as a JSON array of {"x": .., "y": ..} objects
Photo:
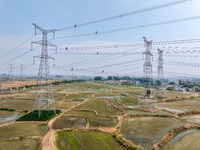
[
  {"x": 30, "y": 144},
  {"x": 145, "y": 131},
  {"x": 96, "y": 121},
  {"x": 69, "y": 122},
  {"x": 102, "y": 106},
  {"x": 22, "y": 130},
  {"x": 86, "y": 140},
  {"x": 46, "y": 115}
]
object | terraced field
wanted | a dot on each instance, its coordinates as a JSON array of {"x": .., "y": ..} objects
[
  {"x": 29, "y": 144},
  {"x": 86, "y": 140},
  {"x": 145, "y": 131},
  {"x": 96, "y": 121},
  {"x": 188, "y": 140},
  {"x": 22, "y": 130},
  {"x": 102, "y": 106},
  {"x": 180, "y": 106},
  {"x": 89, "y": 106}
]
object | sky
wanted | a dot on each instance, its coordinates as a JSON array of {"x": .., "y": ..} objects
[{"x": 17, "y": 33}]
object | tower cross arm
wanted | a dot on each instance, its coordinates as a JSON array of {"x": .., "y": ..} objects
[{"x": 42, "y": 30}]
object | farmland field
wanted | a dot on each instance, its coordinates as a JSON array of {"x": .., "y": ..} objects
[
  {"x": 188, "y": 140},
  {"x": 29, "y": 144},
  {"x": 102, "y": 106},
  {"x": 69, "y": 122},
  {"x": 145, "y": 131},
  {"x": 79, "y": 103},
  {"x": 181, "y": 106},
  {"x": 96, "y": 121},
  {"x": 86, "y": 140},
  {"x": 22, "y": 130}
]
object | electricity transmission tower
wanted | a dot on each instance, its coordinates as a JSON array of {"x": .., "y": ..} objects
[
  {"x": 160, "y": 74},
  {"x": 21, "y": 71},
  {"x": 11, "y": 73},
  {"x": 44, "y": 94},
  {"x": 147, "y": 80}
]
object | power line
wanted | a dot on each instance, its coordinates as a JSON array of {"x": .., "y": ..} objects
[
  {"x": 17, "y": 46},
  {"x": 63, "y": 11},
  {"x": 133, "y": 27},
  {"x": 126, "y": 14}
]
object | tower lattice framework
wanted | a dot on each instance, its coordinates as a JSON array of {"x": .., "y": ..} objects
[
  {"x": 44, "y": 94},
  {"x": 11, "y": 73},
  {"x": 160, "y": 73},
  {"x": 147, "y": 79},
  {"x": 21, "y": 71}
]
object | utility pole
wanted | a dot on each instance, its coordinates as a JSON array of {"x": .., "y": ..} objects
[
  {"x": 147, "y": 79},
  {"x": 21, "y": 71},
  {"x": 44, "y": 93},
  {"x": 160, "y": 74},
  {"x": 11, "y": 73}
]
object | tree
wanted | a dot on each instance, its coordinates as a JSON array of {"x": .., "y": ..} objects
[
  {"x": 116, "y": 78},
  {"x": 148, "y": 93},
  {"x": 158, "y": 83},
  {"x": 97, "y": 78},
  {"x": 110, "y": 78},
  {"x": 187, "y": 89},
  {"x": 171, "y": 83},
  {"x": 126, "y": 78}
]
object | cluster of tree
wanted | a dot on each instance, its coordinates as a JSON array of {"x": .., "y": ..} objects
[
  {"x": 46, "y": 115},
  {"x": 53, "y": 83},
  {"x": 127, "y": 83},
  {"x": 187, "y": 83},
  {"x": 170, "y": 88}
]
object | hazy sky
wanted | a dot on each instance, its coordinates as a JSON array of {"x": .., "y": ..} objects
[{"x": 17, "y": 16}]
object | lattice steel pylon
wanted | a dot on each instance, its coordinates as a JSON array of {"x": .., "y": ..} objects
[
  {"x": 21, "y": 71},
  {"x": 44, "y": 93},
  {"x": 160, "y": 73},
  {"x": 147, "y": 91},
  {"x": 11, "y": 73}
]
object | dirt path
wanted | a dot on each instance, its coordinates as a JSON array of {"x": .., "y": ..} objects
[{"x": 48, "y": 142}]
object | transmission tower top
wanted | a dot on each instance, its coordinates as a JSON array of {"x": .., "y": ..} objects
[{"x": 44, "y": 31}]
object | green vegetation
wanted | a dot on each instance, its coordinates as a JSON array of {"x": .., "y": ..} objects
[
  {"x": 96, "y": 121},
  {"x": 86, "y": 140},
  {"x": 25, "y": 144},
  {"x": 46, "y": 115},
  {"x": 145, "y": 131},
  {"x": 102, "y": 106},
  {"x": 7, "y": 109},
  {"x": 69, "y": 122},
  {"x": 22, "y": 130}
]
